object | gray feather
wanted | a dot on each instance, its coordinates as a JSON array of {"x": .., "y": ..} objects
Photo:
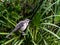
[{"x": 18, "y": 26}]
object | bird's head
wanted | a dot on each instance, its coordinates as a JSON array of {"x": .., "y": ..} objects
[{"x": 27, "y": 20}]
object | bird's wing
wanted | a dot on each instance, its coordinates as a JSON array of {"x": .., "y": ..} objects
[{"x": 18, "y": 26}]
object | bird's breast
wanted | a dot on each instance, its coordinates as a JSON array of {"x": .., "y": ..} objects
[{"x": 24, "y": 27}]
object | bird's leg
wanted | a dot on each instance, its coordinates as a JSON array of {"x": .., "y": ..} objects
[{"x": 23, "y": 33}]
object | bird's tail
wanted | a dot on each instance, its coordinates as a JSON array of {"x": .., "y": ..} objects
[{"x": 11, "y": 33}]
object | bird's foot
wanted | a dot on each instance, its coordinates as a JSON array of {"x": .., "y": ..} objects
[{"x": 23, "y": 33}]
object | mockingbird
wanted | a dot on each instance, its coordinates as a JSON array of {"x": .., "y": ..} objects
[{"x": 22, "y": 25}]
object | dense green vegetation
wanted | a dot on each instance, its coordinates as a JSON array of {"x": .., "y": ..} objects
[{"x": 44, "y": 29}]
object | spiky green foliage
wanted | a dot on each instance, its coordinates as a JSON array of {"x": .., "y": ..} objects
[{"x": 44, "y": 29}]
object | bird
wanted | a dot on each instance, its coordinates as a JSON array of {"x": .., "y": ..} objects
[{"x": 22, "y": 25}]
